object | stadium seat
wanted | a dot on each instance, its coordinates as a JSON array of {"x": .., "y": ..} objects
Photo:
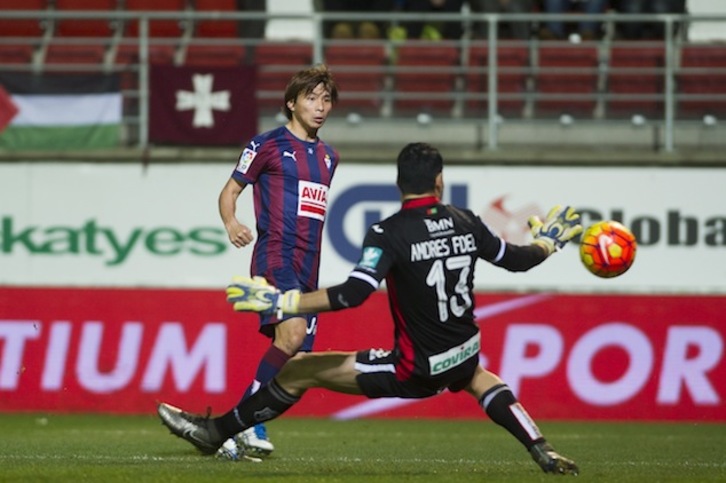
[
  {"x": 157, "y": 28},
  {"x": 85, "y": 27},
  {"x": 165, "y": 35},
  {"x": 426, "y": 75},
  {"x": 22, "y": 27},
  {"x": 216, "y": 28},
  {"x": 636, "y": 71},
  {"x": 566, "y": 79},
  {"x": 360, "y": 72},
  {"x": 82, "y": 41},
  {"x": 28, "y": 33},
  {"x": 513, "y": 68},
  {"x": 702, "y": 73},
  {"x": 207, "y": 46},
  {"x": 276, "y": 63}
]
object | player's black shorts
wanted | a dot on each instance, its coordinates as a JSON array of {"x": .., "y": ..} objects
[{"x": 377, "y": 377}]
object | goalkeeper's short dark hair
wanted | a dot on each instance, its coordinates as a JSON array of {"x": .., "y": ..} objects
[{"x": 418, "y": 166}]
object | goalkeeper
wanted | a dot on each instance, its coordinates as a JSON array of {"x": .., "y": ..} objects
[{"x": 426, "y": 252}]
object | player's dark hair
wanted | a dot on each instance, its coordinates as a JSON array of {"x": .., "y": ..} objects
[
  {"x": 418, "y": 166},
  {"x": 305, "y": 82}
]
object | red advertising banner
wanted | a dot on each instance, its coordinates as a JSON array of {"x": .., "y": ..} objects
[{"x": 603, "y": 357}]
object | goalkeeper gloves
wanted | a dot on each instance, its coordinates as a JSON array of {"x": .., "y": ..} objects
[
  {"x": 256, "y": 295},
  {"x": 560, "y": 226}
]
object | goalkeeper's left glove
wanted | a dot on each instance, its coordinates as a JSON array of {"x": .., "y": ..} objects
[
  {"x": 560, "y": 226},
  {"x": 256, "y": 295}
]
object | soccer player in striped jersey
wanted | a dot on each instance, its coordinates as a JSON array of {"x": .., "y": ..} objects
[
  {"x": 426, "y": 252},
  {"x": 290, "y": 169}
]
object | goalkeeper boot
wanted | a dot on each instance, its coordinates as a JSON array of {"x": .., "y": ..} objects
[
  {"x": 254, "y": 441},
  {"x": 552, "y": 462},
  {"x": 198, "y": 430}
]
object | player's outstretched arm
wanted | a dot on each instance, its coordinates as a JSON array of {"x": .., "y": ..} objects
[{"x": 561, "y": 225}]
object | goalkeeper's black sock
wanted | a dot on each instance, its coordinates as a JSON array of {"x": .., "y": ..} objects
[
  {"x": 504, "y": 409},
  {"x": 267, "y": 403}
]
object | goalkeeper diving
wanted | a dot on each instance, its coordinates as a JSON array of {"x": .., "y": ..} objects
[{"x": 427, "y": 253}]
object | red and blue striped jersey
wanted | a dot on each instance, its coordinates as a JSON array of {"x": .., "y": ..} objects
[{"x": 290, "y": 179}]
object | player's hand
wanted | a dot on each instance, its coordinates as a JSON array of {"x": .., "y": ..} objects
[
  {"x": 256, "y": 295},
  {"x": 239, "y": 235},
  {"x": 560, "y": 226}
]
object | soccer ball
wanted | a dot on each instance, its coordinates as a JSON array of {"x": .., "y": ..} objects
[{"x": 607, "y": 249}]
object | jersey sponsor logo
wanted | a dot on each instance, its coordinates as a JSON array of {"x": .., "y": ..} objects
[
  {"x": 445, "y": 225},
  {"x": 370, "y": 257},
  {"x": 312, "y": 200},
  {"x": 444, "y": 361},
  {"x": 245, "y": 160}
]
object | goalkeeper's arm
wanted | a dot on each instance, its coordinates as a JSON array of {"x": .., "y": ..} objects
[{"x": 350, "y": 293}]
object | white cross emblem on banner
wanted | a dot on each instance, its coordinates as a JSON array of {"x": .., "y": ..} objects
[{"x": 202, "y": 100}]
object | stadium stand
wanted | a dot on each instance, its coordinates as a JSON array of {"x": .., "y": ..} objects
[
  {"x": 214, "y": 41},
  {"x": 276, "y": 62},
  {"x": 83, "y": 41},
  {"x": 514, "y": 71},
  {"x": 360, "y": 71},
  {"x": 425, "y": 78},
  {"x": 609, "y": 79},
  {"x": 636, "y": 75},
  {"x": 701, "y": 81},
  {"x": 566, "y": 79},
  {"x": 22, "y": 38}
]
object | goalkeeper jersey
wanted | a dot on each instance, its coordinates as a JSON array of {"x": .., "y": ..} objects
[
  {"x": 427, "y": 252},
  {"x": 290, "y": 179}
]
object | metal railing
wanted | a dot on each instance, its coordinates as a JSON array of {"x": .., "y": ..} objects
[{"x": 484, "y": 90}]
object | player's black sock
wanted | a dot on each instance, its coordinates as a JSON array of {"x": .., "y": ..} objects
[
  {"x": 267, "y": 403},
  {"x": 504, "y": 409}
]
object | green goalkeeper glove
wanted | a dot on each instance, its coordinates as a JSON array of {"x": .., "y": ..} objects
[
  {"x": 256, "y": 295},
  {"x": 560, "y": 226}
]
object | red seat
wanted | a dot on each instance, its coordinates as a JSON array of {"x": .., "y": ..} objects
[
  {"x": 201, "y": 53},
  {"x": 128, "y": 54},
  {"x": 16, "y": 53},
  {"x": 702, "y": 77},
  {"x": 75, "y": 54},
  {"x": 513, "y": 70},
  {"x": 276, "y": 63},
  {"x": 360, "y": 73},
  {"x": 22, "y": 27},
  {"x": 157, "y": 28},
  {"x": 85, "y": 27},
  {"x": 31, "y": 30},
  {"x": 636, "y": 72},
  {"x": 216, "y": 28},
  {"x": 566, "y": 80},
  {"x": 426, "y": 76}
]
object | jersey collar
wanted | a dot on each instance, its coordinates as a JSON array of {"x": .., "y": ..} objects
[{"x": 419, "y": 202}]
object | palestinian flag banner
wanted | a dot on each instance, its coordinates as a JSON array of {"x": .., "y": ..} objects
[{"x": 54, "y": 111}]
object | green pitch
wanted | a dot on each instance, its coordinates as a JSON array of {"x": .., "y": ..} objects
[{"x": 57, "y": 448}]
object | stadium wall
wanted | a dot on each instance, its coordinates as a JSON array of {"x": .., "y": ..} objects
[{"x": 111, "y": 278}]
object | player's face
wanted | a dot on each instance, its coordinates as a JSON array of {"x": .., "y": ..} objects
[{"x": 311, "y": 110}]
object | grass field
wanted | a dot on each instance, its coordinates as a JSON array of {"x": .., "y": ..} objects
[{"x": 103, "y": 448}]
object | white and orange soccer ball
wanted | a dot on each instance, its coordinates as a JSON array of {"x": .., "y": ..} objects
[{"x": 607, "y": 249}]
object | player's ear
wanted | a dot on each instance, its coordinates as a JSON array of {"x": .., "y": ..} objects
[
  {"x": 439, "y": 185},
  {"x": 290, "y": 105}
]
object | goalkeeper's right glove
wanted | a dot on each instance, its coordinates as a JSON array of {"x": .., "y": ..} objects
[
  {"x": 560, "y": 226},
  {"x": 256, "y": 295}
]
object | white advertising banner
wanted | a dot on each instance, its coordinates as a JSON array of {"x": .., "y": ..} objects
[{"x": 111, "y": 224}]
